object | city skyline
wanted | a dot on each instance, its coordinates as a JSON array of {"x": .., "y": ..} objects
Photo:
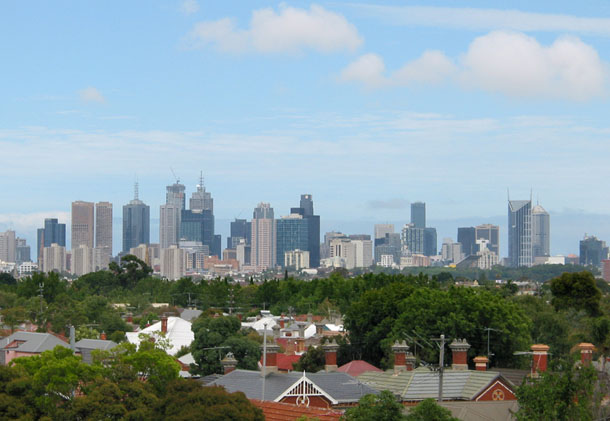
[{"x": 378, "y": 106}]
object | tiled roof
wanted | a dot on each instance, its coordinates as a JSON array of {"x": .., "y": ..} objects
[
  {"x": 284, "y": 362},
  {"x": 275, "y": 411},
  {"x": 342, "y": 387},
  {"x": 422, "y": 383},
  {"x": 357, "y": 367},
  {"x": 32, "y": 342}
]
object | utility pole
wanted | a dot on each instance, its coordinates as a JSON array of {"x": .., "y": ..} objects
[
  {"x": 488, "y": 329},
  {"x": 264, "y": 359},
  {"x": 441, "y": 364},
  {"x": 41, "y": 289}
]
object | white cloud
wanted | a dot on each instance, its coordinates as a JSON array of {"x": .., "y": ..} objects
[
  {"x": 288, "y": 30},
  {"x": 91, "y": 94},
  {"x": 30, "y": 221},
  {"x": 432, "y": 67},
  {"x": 510, "y": 63},
  {"x": 486, "y": 19},
  {"x": 188, "y": 7},
  {"x": 517, "y": 65}
]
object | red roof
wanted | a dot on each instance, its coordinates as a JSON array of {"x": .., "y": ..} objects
[
  {"x": 275, "y": 411},
  {"x": 357, "y": 367},
  {"x": 284, "y": 362}
]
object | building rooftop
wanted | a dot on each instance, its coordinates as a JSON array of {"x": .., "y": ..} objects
[{"x": 31, "y": 342}]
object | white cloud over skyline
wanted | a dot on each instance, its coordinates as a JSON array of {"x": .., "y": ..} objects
[
  {"x": 510, "y": 63},
  {"x": 482, "y": 19},
  {"x": 188, "y": 7},
  {"x": 290, "y": 29},
  {"x": 91, "y": 94}
]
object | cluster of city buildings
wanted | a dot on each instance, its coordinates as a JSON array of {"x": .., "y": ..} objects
[{"x": 188, "y": 244}]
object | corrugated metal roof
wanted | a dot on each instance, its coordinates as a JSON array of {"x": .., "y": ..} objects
[
  {"x": 95, "y": 344},
  {"x": 33, "y": 342}
]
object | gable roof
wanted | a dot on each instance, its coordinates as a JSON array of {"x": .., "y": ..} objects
[
  {"x": 357, "y": 367},
  {"x": 422, "y": 383},
  {"x": 31, "y": 342},
  {"x": 95, "y": 344},
  {"x": 276, "y": 411},
  {"x": 179, "y": 334},
  {"x": 341, "y": 387}
]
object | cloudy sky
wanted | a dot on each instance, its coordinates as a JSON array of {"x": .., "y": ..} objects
[{"x": 366, "y": 105}]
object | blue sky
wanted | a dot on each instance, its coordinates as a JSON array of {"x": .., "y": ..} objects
[{"x": 366, "y": 105}]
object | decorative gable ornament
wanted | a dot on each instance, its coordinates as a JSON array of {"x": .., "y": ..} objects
[{"x": 302, "y": 390}]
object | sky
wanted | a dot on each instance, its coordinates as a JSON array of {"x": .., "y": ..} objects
[{"x": 366, "y": 105}]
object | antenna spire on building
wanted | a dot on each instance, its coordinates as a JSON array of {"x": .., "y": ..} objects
[
  {"x": 136, "y": 191},
  {"x": 201, "y": 179}
]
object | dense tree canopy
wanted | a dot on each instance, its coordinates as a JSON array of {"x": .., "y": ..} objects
[{"x": 576, "y": 290}]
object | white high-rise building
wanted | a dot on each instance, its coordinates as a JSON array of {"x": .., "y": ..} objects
[
  {"x": 350, "y": 253},
  {"x": 82, "y": 260},
  {"x": 103, "y": 226},
  {"x": 451, "y": 252},
  {"x": 264, "y": 240},
  {"x": 169, "y": 225},
  {"x": 541, "y": 232},
  {"x": 299, "y": 259},
  {"x": 382, "y": 229},
  {"x": 173, "y": 263},
  {"x": 54, "y": 258},
  {"x": 8, "y": 246}
]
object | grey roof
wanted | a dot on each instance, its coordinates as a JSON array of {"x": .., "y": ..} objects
[
  {"x": 33, "y": 342},
  {"x": 421, "y": 383},
  {"x": 206, "y": 380},
  {"x": 95, "y": 344},
  {"x": 190, "y": 314},
  {"x": 483, "y": 411},
  {"x": 340, "y": 386}
]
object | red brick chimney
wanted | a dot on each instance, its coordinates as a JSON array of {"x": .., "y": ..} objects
[
  {"x": 282, "y": 321},
  {"x": 400, "y": 356},
  {"x": 103, "y": 336},
  {"x": 411, "y": 360},
  {"x": 129, "y": 318},
  {"x": 459, "y": 354},
  {"x": 271, "y": 361},
  {"x": 586, "y": 353},
  {"x": 480, "y": 363},
  {"x": 300, "y": 344},
  {"x": 330, "y": 353},
  {"x": 164, "y": 324},
  {"x": 540, "y": 354},
  {"x": 229, "y": 363}
]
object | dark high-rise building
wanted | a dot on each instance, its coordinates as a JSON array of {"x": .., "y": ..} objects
[
  {"x": 418, "y": 214},
  {"x": 430, "y": 242},
  {"x": 292, "y": 233},
  {"x": 312, "y": 224},
  {"x": 467, "y": 238},
  {"x": 520, "y": 233},
  {"x": 491, "y": 233},
  {"x": 307, "y": 204},
  {"x": 389, "y": 245},
  {"x": 136, "y": 223},
  {"x": 52, "y": 233},
  {"x": 198, "y": 226},
  {"x": 592, "y": 251},
  {"x": 240, "y": 229},
  {"x": 413, "y": 239}
]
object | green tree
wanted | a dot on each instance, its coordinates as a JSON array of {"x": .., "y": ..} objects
[
  {"x": 382, "y": 407},
  {"x": 564, "y": 393},
  {"x": 312, "y": 360},
  {"x": 578, "y": 291},
  {"x": 429, "y": 410}
]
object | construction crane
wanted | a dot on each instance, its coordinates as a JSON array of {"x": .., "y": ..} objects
[{"x": 174, "y": 174}]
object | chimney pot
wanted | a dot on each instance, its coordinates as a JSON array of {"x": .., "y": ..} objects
[
  {"x": 164, "y": 324},
  {"x": 330, "y": 353},
  {"x": 103, "y": 336},
  {"x": 400, "y": 350},
  {"x": 272, "y": 350},
  {"x": 228, "y": 363},
  {"x": 540, "y": 354},
  {"x": 586, "y": 353},
  {"x": 459, "y": 354},
  {"x": 480, "y": 363}
]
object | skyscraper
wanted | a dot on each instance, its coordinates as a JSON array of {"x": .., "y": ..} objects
[
  {"x": 197, "y": 223},
  {"x": 241, "y": 229},
  {"x": 466, "y": 236},
  {"x": 170, "y": 214},
  {"x": 520, "y": 233},
  {"x": 201, "y": 199},
  {"x": 592, "y": 251},
  {"x": 136, "y": 223},
  {"x": 305, "y": 209},
  {"x": 52, "y": 233},
  {"x": 82, "y": 224},
  {"x": 306, "y": 204},
  {"x": 103, "y": 227},
  {"x": 263, "y": 243},
  {"x": 491, "y": 233},
  {"x": 541, "y": 232},
  {"x": 418, "y": 214},
  {"x": 430, "y": 241},
  {"x": 8, "y": 246},
  {"x": 292, "y": 233}
]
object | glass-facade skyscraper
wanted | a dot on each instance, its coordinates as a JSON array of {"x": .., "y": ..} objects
[
  {"x": 418, "y": 214},
  {"x": 541, "y": 232},
  {"x": 292, "y": 234},
  {"x": 520, "y": 233},
  {"x": 136, "y": 223}
]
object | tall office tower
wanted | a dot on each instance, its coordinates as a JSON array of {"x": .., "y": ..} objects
[
  {"x": 413, "y": 239},
  {"x": 451, "y": 252},
  {"x": 136, "y": 223},
  {"x": 520, "y": 233},
  {"x": 418, "y": 214},
  {"x": 171, "y": 214},
  {"x": 103, "y": 226},
  {"x": 8, "y": 246},
  {"x": 292, "y": 233},
  {"x": 306, "y": 204},
  {"x": 381, "y": 230},
  {"x": 491, "y": 233},
  {"x": 54, "y": 258},
  {"x": 430, "y": 242},
  {"x": 201, "y": 199},
  {"x": 52, "y": 233},
  {"x": 22, "y": 252},
  {"x": 263, "y": 242},
  {"x": 541, "y": 232},
  {"x": 241, "y": 229},
  {"x": 82, "y": 224},
  {"x": 198, "y": 225},
  {"x": 305, "y": 209},
  {"x": 388, "y": 246},
  {"x": 81, "y": 262},
  {"x": 467, "y": 237},
  {"x": 173, "y": 263},
  {"x": 592, "y": 251}
]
